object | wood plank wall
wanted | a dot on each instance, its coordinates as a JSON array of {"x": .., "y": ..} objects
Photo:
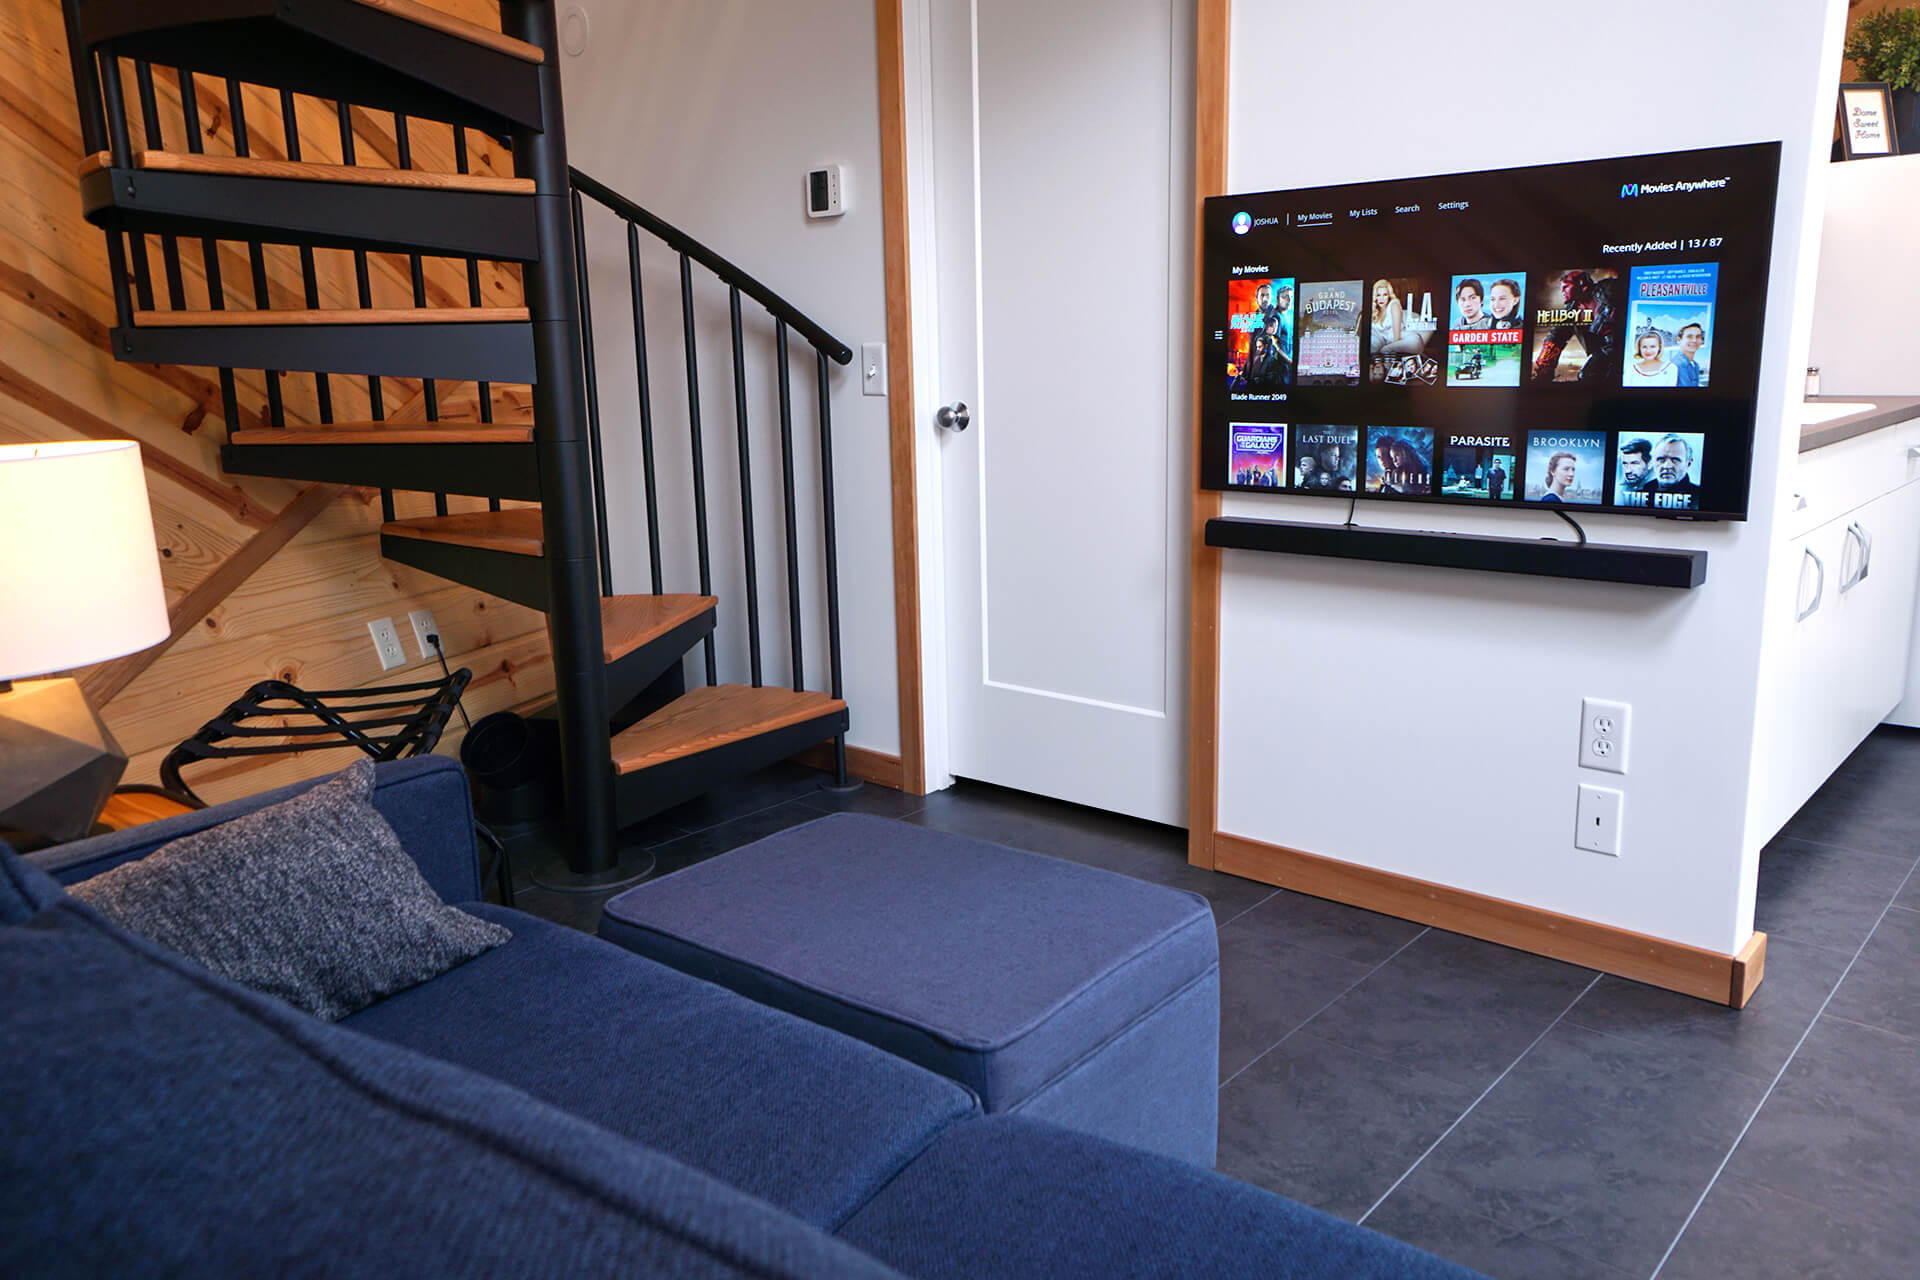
[{"x": 302, "y": 614}]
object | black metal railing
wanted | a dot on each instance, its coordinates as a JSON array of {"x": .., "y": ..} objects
[{"x": 788, "y": 322}]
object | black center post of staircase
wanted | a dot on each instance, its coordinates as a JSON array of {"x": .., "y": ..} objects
[{"x": 566, "y": 482}]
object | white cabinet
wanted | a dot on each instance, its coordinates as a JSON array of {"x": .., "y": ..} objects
[{"x": 1849, "y": 584}]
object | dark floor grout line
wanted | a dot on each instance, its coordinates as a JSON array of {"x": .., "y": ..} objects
[
  {"x": 1778, "y": 1075},
  {"x": 1236, "y": 915},
  {"x": 1874, "y": 1026},
  {"x": 1843, "y": 848},
  {"x": 1361, "y": 1220},
  {"x": 1323, "y": 1008}
]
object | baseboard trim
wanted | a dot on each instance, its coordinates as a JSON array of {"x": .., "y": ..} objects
[
  {"x": 1694, "y": 971},
  {"x": 877, "y": 767}
]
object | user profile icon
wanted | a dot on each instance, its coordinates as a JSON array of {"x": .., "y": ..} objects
[{"x": 1242, "y": 223}]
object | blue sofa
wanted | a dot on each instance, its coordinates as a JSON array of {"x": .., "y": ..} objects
[{"x": 558, "y": 1106}]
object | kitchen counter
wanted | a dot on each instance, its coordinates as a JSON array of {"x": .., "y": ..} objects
[{"x": 1883, "y": 411}]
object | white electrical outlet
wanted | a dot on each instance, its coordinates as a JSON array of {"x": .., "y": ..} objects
[
  {"x": 1597, "y": 820},
  {"x": 1603, "y": 734},
  {"x": 424, "y": 626},
  {"x": 386, "y": 643}
]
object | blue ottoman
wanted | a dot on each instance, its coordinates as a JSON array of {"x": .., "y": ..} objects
[{"x": 1051, "y": 990}]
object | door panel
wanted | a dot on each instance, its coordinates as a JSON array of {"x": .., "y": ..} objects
[{"x": 1063, "y": 213}]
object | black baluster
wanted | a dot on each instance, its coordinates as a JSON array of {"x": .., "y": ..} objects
[
  {"x": 150, "y": 115},
  {"x": 485, "y": 389},
  {"x": 122, "y": 148},
  {"x": 699, "y": 465},
  {"x": 646, "y": 405},
  {"x": 793, "y": 528},
  {"x": 209, "y": 247},
  {"x": 746, "y": 487},
  {"x": 309, "y": 278},
  {"x": 376, "y": 402},
  {"x": 256, "y": 257},
  {"x": 833, "y": 559},
  {"x": 593, "y": 396},
  {"x": 429, "y": 389}
]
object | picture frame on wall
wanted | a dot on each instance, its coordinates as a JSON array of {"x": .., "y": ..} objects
[{"x": 1866, "y": 121}]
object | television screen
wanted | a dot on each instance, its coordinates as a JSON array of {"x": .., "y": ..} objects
[{"x": 1586, "y": 335}]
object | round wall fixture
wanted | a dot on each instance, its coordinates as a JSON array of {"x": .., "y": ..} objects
[{"x": 574, "y": 28}]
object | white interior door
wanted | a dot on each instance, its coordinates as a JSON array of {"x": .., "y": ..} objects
[{"x": 1062, "y": 180}]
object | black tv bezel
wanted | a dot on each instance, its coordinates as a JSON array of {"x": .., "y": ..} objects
[{"x": 1717, "y": 414}]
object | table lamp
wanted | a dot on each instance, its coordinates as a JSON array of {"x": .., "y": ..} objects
[{"x": 79, "y": 583}]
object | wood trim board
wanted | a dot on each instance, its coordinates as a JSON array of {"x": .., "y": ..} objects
[
  {"x": 1694, "y": 971},
  {"x": 1203, "y": 700},
  {"x": 877, "y": 767},
  {"x": 891, "y": 54}
]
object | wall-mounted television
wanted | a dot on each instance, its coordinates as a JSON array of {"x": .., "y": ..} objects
[{"x": 1583, "y": 335}]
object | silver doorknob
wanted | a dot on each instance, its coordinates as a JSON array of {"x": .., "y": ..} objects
[{"x": 953, "y": 417}]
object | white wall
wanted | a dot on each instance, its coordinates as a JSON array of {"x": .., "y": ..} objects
[
  {"x": 709, "y": 113},
  {"x": 1869, "y": 275},
  {"x": 1424, "y": 721}
]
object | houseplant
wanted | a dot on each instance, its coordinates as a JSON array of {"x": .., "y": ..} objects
[{"x": 1885, "y": 46}]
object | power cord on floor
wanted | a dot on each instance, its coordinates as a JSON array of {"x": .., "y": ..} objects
[{"x": 434, "y": 640}]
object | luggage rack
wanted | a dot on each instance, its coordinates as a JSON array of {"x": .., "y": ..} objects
[{"x": 415, "y": 715}]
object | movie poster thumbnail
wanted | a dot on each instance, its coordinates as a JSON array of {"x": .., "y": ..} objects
[
  {"x": 1400, "y": 461},
  {"x": 1483, "y": 467},
  {"x": 1326, "y": 459},
  {"x": 1260, "y": 333},
  {"x": 1257, "y": 455},
  {"x": 1566, "y": 467},
  {"x": 1486, "y": 329},
  {"x": 1329, "y": 350},
  {"x": 1579, "y": 316},
  {"x": 1670, "y": 325},
  {"x": 1401, "y": 323},
  {"x": 1658, "y": 470}
]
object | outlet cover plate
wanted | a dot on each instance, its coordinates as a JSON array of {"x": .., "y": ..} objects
[
  {"x": 424, "y": 626},
  {"x": 386, "y": 643},
  {"x": 1603, "y": 734}
]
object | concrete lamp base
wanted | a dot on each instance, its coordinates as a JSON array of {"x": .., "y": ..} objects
[{"x": 58, "y": 762}]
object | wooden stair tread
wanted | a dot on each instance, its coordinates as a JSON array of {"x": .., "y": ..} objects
[
  {"x": 300, "y": 171},
  {"x": 388, "y": 433},
  {"x": 703, "y": 719},
  {"x": 629, "y": 622},
  {"x": 334, "y": 315},
  {"x": 516, "y": 531},
  {"x": 472, "y": 32}
]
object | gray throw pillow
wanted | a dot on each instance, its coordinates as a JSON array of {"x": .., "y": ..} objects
[{"x": 312, "y": 900}]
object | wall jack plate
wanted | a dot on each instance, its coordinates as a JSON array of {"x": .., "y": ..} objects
[
  {"x": 1597, "y": 820},
  {"x": 386, "y": 643}
]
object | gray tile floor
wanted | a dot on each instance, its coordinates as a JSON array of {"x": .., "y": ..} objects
[{"x": 1526, "y": 1117}]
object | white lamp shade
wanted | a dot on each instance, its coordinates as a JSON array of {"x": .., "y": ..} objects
[{"x": 79, "y": 577}]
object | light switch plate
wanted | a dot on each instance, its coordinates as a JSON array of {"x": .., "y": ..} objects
[{"x": 873, "y": 368}]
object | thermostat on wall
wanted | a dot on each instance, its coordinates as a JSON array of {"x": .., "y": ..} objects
[{"x": 826, "y": 195}]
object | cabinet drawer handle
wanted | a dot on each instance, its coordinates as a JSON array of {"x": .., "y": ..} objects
[
  {"x": 1860, "y": 539},
  {"x": 1819, "y": 587}
]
